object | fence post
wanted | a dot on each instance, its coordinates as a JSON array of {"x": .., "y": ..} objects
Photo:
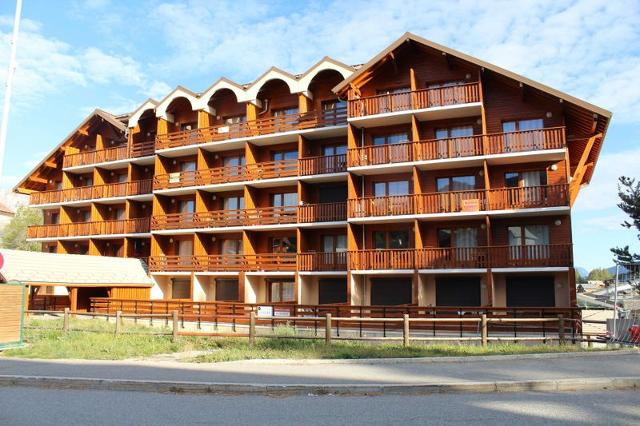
[
  {"x": 327, "y": 329},
  {"x": 65, "y": 323},
  {"x": 118, "y": 322},
  {"x": 560, "y": 330},
  {"x": 405, "y": 333},
  {"x": 174, "y": 336},
  {"x": 484, "y": 330},
  {"x": 252, "y": 328}
]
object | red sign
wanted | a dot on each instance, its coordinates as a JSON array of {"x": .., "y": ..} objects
[{"x": 1, "y": 260}]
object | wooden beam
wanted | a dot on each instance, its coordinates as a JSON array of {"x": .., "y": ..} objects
[
  {"x": 581, "y": 169},
  {"x": 37, "y": 179},
  {"x": 50, "y": 164}
]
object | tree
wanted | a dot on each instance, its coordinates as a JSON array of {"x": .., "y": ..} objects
[
  {"x": 580, "y": 279},
  {"x": 14, "y": 235},
  {"x": 629, "y": 193},
  {"x": 599, "y": 274}
]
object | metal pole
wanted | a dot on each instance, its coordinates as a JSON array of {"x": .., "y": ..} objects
[
  {"x": 9, "y": 84},
  {"x": 615, "y": 303}
]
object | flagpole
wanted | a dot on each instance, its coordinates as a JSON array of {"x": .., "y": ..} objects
[{"x": 9, "y": 85}]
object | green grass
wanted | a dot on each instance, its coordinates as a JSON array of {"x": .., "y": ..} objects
[{"x": 94, "y": 339}]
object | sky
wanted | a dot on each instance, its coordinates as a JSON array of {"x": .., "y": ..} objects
[{"x": 74, "y": 56}]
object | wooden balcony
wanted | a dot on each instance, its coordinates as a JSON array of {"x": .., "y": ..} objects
[
  {"x": 331, "y": 261},
  {"x": 550, "y": 255},
  {"x": 260, "y": 127},
  {"x": 327, "y": 212},
  {"x": 419, "y": 99},
  {"x": 265, "y": 170},
  {"x": 122, "y": 152},
  {"x": 121, "y": 189},
  {"x": 106, "y": 227},
  {"x": 275, "y": 262},
  {"x": 468, "y": 146},
  {"x": 461, "y": 201}
]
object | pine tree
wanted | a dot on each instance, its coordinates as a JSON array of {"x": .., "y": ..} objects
[{"x": 629, "y": 193}]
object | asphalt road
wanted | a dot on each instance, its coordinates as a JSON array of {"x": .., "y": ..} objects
[{"x": 25, "y": 406}]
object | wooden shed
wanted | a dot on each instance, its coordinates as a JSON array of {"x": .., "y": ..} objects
[{"x": 12, "y": 299}]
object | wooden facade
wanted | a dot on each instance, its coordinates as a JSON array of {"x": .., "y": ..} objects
[{"x": 422, "y": 170}]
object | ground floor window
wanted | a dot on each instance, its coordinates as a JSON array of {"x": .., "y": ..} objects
[
  {"x": 227, "y": 290},
  {"x": 180, "y": 288},
  {"x": 281, "y": 291},
  {"x": 391, "y": 291},
  {"x": 332, "y": 290},
  {"x": 531, "y": 291},
  {"x": 458, "y": 291}
]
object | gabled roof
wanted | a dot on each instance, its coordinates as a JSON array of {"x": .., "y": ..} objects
[
  {"x": 178, "y": 92},
  {"x": 149, "y": 104},
  {"x": 97, "y": 113},
  {"x": 72, "y": 269},
  {"x": 412, "y": 37}
]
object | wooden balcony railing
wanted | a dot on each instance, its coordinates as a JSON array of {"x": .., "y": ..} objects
[
  {"x": 120, "y": 189},
  {"x": 467, "y": 146},
  {"x": 224, "y": 262},
  {"x": 110, "y": 154},
  {"x": 419, "y": 99},
  {"x": 262, "y": 126},
  {"x": 548, "y": 255},
  {"x": 106, "y": 227},
  {"x": 248, "y": 172},
  {"x": 461, "y": 201},
  {"x": 330, "y": 261},
  {"x": 326, "y": 212}
]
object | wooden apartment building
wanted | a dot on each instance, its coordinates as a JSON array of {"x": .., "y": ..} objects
[{"x": 424, "y": 177}]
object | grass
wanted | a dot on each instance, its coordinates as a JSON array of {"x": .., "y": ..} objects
[{"x": 94, "y": 339}]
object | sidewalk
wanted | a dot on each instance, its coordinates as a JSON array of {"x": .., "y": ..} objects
[{"x": 541, "y": 372}]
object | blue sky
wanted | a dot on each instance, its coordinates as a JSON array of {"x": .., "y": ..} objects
[{"x": 77, "y": 55}]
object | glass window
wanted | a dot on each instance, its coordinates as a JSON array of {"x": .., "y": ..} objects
[
  {"x": 237, "y": 160},
  {"x": 398, "y": 240},
  {"x": 379, "y": 189},
  {"x": 522, "y": 125},
  {"x": 284, "y": 244},
  {"x": 334, "y": 243},
  {"x": 187, "y": 166},
  {"x": 390, "y": 139},
  {"x": 284, "y": 155},
  {"x": 456, "y": 183},
  {"x": 288, "y": 199},
  {"x": 525, "y": 179},
  {"x": 512, "y": 179},
  {"x": 229, "y": 246},
  {"x": 466, "y": 237},
  {"x": 121, "y": 178},
  {"x": 281, "y": 291},
  {"x": 515, "y": 235},
  {"x": 382, "y": 189},
  {"x": 226, "y": 290},
  {"x": 233, "y": 203},
  {"x": 444, "y": 238},
  {"x": 185, "y": 247},
  {"x": 334, "y": 150},
  {"x": 235, "y": 119},
  {"x": 379, "y": 240},
  {"x": 186, "y": 206},
  {"x": 180, "y": 288},
  {"x": 454, "y": 132},
  {"x": 285, "y": 111},
  {"x": 120, "y": 214}
]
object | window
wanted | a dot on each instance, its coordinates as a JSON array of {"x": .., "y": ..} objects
[
  {"x": 532, "y": 197},
  {"x": 330, "y": 150},
  {"x": 458, "y": 237},
  {"x": 226, "y": 290},
  {"x": 397, "y": 99},
  {"x": 281, "y": 291},
  {"x": 284, "y": 155},
  {"x": 119, "y": 214},
  {"x": 287, "y": 199},
  {"x": 333, "y": 110},
  {"x": 180, "y": 288},
  {"x": 233, "y": 203},
  {"x": 391, "y": 240},
  {"x": 187, "y": 126},
  {"x": 285, "y": 111},
  {"x": 186, "y": 206},
  {"x": 525, "y": 179},
  {"x": 85, "y": 216},
  {"x": 229, "y": 246},
  {"x": 187, "y": 166},
  {"x": 235, "y": 119},
  {"x": 459, "y": 142},
  {"x": 55, "y": 218},
  {"x": 456, "y": 183},
  {"x": 334, "y": 243},
  {"x": 121, "y": 178},
  {"x": 86, "y": 180},
  {"x": 530, "y": 241},
  {"x": 185, "y": 248},
  {"x": 390, "y": 139},
  {"x": 233, "y": 164},
  {"x": 531, "y": 139},
  {"x": 284, "y": 244},
  {"x": 383, "y": 189}
]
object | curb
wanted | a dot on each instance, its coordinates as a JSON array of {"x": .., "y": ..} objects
[{"x": 562, "y": 385}]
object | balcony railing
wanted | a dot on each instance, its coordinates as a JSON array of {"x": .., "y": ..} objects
[
  {"x": 224, "y": 262},
  {"x": 110, "y": 154},
  {"x": 121, "y": 189},
  {"x": 330, "y": 261},
  {"x": 248, "y": 172},
  {"x": 106, "y": 227},
  {"x": 548, "y": 255},
  {"x": 262, "y": 126},
  {"x": 419, "y": 99},
  {"x": 326, "y": 212},
  {"x": 466, "y": 146},
  {"x": 461, "y": 201}
]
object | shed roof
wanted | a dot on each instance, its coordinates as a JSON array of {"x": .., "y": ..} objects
[{"x": 74, "y": 270}]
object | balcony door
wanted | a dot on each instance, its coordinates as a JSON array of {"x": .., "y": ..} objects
[
  {"x": 285, "y": 119},
  {"x": 186, "y": 208},
  {"x": 281, "y": 291},
  {"x": 231, "y": 249},
  {"x": 285, "y": 205},
  {"x": 334, "y": 159},
  {"x": 528, "y": 242},
  {"x": 531, "y": 136},
  {"x": 396, "y": 99},
  {"x": 285, "y": 162},
  {"x": 461, "y": 244},
  {"x": 455, "y": 142},
  {"x": 528, "y": 188},
  {"x": 333, "y": 111},
  {"x": 334, "y": 248},
  {"x": 391, "y": 148},
  {"x": 391, "y": 198},
  {"x": 233, "y": 165},
  {"x": 184, "y": 249},
  {"x": 452, "y": 195}
]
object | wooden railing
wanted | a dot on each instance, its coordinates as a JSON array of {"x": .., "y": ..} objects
[
  {"x": 467, "y": 146},
  {"x": 326, "y": 212},
  {"x": 121, "y": 152},
  {"x": 120, "y": 189},
  {"x": 106, "y": 227},
  {"x": 419, "y": 99},
  {"x": 461, "y": 201},
  {"x": 264, "y": 170},
  {"x": 329, "y": 261},
  {"x": 549, "y": 255},
  {"x": 262, "y": 126},
  {"x": 224, "y": 262}
]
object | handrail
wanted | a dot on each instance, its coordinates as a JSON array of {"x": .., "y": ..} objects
[
  {"x": 124, "y": 226},
  {"x": 120, "y": 152},
  {"x": 224, "y": 262},
  {"x": 119, "y": 189}
]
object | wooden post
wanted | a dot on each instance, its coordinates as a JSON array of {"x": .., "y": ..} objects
[
  {"x": 118, "y": 320},
  {"x": 327, "y": 330},
  {"x": 561, "y": 330},
  {"x": 252, "y": 328},
  {"x": 174, "y": 337},
  {"x": 589, "y": 343},
  {"x": 405, "y": 333},
  {"x": 484, "y": 330},
  {"x": 65, "y": 323}
]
